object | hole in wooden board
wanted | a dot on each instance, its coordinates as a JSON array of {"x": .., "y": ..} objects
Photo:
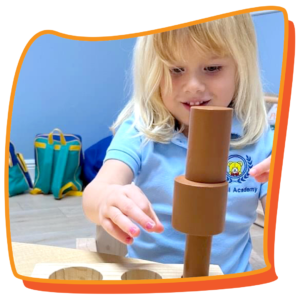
[
  {"x": 76, "y": 273},
  {"x": 140, "y": 274}
]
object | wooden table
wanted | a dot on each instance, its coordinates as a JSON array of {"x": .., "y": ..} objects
[{"x": 26, "y": 256}]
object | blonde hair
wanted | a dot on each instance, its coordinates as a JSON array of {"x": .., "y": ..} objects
[{"x": 154, "y": 54}]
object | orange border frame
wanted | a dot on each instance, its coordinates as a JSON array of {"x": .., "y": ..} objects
[{"x": 21, "y": 26}]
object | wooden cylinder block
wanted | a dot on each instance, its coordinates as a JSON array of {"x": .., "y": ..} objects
[
  {"x": 197, "y": 255},
  {"x": 208, "y": 144},
  {"x": 199, "y": 209}
]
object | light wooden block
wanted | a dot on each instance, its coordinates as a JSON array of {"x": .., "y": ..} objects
[
  {"x": 108, "y": 271},
  {"x": 105, "y": 243},
  {"x": 87, "y": 244}
]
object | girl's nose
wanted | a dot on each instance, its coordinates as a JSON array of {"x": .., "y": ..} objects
[{"x": 194, "y": 84}]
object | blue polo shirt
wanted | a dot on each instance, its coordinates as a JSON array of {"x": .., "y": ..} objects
[{"x": 156, "y": 165}]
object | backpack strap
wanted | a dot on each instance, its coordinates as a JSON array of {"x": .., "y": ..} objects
[
  {"x": 23, "y": 166},
  {"x": 43, "y": 179},
  {"x": 57, "y": 189},
  {"x": 59, "y": 171},
  {"x": 17, "y": 159},
  {"x": 12, "y": 155},
  {"x": 69, "y": 189}
]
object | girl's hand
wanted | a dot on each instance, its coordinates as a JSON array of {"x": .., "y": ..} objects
[
  {"x": 260, "y": 172},
  {"x": 124, "y": 205}
]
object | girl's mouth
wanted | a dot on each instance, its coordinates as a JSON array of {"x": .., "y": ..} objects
[{"x": 188, "y": 105}]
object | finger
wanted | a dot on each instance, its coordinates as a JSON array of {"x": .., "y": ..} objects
[
  {"x": 261, "y": 168},
  {"x": 262, "y": 178},
  {"x": 133, "y": 211},
  {"x": 158, "y": 225},
  {"x": 116, "y": 232},
  {"x": 122, "y": 221},
  {"x": 142, "y": 202}
]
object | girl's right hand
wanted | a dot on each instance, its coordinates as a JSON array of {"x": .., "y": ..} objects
[
  {"x": 123, "y": 205},
  {"x": 260, "y": 172}
]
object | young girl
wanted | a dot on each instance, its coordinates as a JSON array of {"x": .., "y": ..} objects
[{"x": 214, "y": 64}]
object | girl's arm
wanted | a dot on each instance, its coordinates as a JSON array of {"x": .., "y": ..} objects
[
  {"x": 261, "y": 174},
  {"x": 112, "y": 201},
  {"x": 112, "y": 172}
]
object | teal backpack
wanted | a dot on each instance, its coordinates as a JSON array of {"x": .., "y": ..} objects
[
  {"x": 19, "y": 178},
  {"x": 58, "y": 164}
]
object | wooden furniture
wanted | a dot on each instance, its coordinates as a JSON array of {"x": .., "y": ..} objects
[{"x": 271, "y": 99}]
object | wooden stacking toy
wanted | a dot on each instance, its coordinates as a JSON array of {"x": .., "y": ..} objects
[{"x": 200, "y": 197}]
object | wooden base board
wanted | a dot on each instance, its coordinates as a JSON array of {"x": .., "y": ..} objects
[{"x": 108, "y": 271}]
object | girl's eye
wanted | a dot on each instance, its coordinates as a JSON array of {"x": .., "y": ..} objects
[
  {"x": 212, "y": 69},
  {"x": 177, "y": 70}
]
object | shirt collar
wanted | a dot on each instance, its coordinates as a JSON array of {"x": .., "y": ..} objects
[{"x": 236, "y": 127}]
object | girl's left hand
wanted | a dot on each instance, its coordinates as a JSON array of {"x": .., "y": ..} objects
[{"x": 260, "y": 172}]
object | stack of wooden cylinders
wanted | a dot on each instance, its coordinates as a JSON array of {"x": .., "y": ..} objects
[{"x": 200, "y": 197}]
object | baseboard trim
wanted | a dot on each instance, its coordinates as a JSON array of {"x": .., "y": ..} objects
[{"x": 30, "y": 163}]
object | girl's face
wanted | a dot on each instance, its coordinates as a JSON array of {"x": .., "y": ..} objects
[{"x": 199, "y": 82}]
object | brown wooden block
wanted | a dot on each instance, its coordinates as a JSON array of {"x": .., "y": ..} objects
[
  {"x": 199, "y": 208},
  {"x": 208, "y": 145}
]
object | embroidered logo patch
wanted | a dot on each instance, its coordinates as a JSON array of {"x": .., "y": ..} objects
[{"x": 238, "y": 168}]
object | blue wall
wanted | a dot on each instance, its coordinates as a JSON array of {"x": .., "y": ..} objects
[
  {"x": 270, "y": 37},
  {"x": 80, "y": 87}
]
